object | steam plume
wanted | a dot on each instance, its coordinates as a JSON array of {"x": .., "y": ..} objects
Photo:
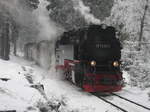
[
  {"x": 85, "y": 12},
  {"x": 48, "y": 30}
]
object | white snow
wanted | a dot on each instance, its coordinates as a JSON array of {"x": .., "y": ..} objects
[
  {"x": 126, "y": 77},
  {"x": 17, "y": 94}
]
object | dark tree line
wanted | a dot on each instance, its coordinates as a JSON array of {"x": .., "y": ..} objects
[
  {"x": 10, "y": 28},
  {"x": 8, "y": 33}
]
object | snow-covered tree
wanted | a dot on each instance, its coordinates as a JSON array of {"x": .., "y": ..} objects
[
  {"x": 77, "y": 13},
  {"x": 100, "y": 8},
  {"x": 131, "y": 17}
]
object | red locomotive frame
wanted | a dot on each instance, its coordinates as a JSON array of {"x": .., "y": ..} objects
[{"x": 93, "y": 85}]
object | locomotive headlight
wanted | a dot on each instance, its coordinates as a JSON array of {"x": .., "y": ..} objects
[
  {"x": 93, "y": 63},
  {"x": 115, "y": 63}
]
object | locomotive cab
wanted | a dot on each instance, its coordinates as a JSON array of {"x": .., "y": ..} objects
[{"x": 90, "y": 58}]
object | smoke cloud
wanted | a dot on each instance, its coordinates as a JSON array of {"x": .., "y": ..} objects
[
  {"x": 36, "y": 24},
  {"x": 85, "y": 12},
  {"x": 48, "y": 30}
]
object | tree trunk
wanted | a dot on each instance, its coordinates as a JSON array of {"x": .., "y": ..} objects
[
  {"x": 142, "y": 24},
  {"x": 14, "y": 38},
  {"x": 15, "y": 47},
  {"x": 2, "y": 45},
  {"x": 6, "y": 42}
]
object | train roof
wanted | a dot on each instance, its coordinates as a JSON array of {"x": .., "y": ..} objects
[
  {"x": 93, "y": 27},
  {"x": 74, "y": 35}
]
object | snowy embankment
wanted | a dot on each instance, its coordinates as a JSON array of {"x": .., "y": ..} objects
[{"x": 17, "y": 93}]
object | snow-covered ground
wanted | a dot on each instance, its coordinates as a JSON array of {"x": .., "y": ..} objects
[{"x": 17, "y": 93}]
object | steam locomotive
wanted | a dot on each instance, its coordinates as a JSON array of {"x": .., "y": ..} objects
[{"x": 90, "y": 58}]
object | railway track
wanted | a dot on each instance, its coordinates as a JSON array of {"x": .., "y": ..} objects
[{"x": 138, "y": 107}]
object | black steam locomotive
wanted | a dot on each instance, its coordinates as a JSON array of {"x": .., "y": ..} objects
[{"x": 90, "y": 58}]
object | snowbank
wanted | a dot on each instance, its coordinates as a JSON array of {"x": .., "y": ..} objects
[{"x": 16, "y": 93}]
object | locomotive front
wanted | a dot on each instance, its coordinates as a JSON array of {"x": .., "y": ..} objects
[
  {"x": 90, "y": 58},
  {"x": 99, "y": 55}
]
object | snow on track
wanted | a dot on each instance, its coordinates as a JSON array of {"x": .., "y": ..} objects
[{"x": 128, "y": 106}]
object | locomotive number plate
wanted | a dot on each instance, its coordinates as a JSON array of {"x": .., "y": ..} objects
[{"x": 103, "y": 46}]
